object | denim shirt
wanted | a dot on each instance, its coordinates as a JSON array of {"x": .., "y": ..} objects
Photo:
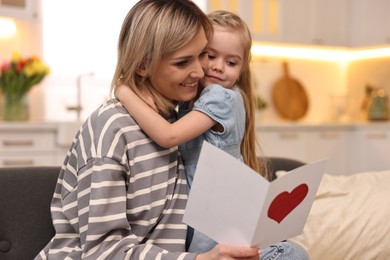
[{"x": 225, "y": 106}]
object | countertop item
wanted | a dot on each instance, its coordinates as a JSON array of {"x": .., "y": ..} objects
[
  {"x": 379, "y": 105},
  {"x": 289, "y": 96}
]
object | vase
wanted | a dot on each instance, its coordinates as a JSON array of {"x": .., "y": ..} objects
[{"x": 15, "y": 107}]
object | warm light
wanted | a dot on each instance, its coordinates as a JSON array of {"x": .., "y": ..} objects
[
  {"x": 341, "y": 55},
  {"x": 370, "y": 53},
  {"x": 7, "y": 27}
]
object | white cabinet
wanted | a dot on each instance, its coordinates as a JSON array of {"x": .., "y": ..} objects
[
  {"x": 263, "y": 17},
  {"x": 283, "y": 143},
  {"x": 332, "y": 144},
  {"x": 33, "y": 144},
  {"x": 20, "y": 9},
  {"x": 308, "y": 145},
  {"x": 330, "y": 22},
  {"x": 26, "y": 147},
  {"x": 297, "y": 22},
  {"x": 370, "y": 22},
  {"x": 371, "y": 152},
  {"x": 316, "y": 22},
  {"x": 344, "y": 23},
  {"x": 356, "y": 23}
]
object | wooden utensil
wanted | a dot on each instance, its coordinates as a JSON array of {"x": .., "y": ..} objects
[{"x": 289, "y": 96}]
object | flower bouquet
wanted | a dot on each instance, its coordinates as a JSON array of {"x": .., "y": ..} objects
[{"x": 17, "y": 77}]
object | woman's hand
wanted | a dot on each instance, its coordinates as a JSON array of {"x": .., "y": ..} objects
[{"x": 230, "y": 252}]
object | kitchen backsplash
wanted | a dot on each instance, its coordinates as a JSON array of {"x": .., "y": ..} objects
[
  {"x": 335, "y": 92},
  {"x": 318, "y": 79}
]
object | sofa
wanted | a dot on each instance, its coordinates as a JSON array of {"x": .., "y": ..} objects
[{"x": 25, "y": 220}]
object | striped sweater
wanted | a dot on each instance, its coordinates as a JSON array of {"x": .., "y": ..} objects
[{"x": 119, "y": 195}]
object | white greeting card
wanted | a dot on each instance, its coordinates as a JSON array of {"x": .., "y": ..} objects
[{"x": 232, "y": 204}]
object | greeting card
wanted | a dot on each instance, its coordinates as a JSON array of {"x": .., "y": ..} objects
[{"x": 232, "y": 204}]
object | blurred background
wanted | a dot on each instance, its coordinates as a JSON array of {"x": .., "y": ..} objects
[{"x": 337, "y": 54}]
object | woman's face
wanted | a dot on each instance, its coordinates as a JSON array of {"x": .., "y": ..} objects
[
  {"x": 225, "y": 60},
  {"x": 177, "y": 76}
]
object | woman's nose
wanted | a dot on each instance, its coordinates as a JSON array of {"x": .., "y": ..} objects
[{"x": 199, "y": 70}]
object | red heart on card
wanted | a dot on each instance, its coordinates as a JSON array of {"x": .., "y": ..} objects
[{"x": 285, "y": 202}]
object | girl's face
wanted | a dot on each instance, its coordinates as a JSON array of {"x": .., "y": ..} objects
[
  {"x": 226, "y": 57},
  {"x": 177, "y": 76}
]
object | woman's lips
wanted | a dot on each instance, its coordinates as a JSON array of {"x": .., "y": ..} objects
[{"x": 190, "y": 85}]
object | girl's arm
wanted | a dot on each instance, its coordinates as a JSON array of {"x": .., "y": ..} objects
[{"x": 161, "y": 131}]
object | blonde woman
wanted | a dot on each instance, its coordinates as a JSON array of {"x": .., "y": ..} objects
[{"x": 119, "y": 194}]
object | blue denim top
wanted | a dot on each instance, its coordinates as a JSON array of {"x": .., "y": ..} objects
[{"x": 225, "y": 106}]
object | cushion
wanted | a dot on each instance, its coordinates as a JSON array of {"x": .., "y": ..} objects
[
  {"x": 25, "y": 218},
  {"x": 349, "y": 218}
]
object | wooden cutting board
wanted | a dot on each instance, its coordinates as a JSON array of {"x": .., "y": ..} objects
[{"x": 289, "y": 96}]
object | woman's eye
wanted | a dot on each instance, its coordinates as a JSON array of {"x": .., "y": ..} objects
[{"x": 181, "y": 63}]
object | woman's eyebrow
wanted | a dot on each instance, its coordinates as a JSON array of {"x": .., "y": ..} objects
[{"x": 182, "y": 57}]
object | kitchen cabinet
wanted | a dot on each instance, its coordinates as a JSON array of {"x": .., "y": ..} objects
[
  {"x": 283, "y": 143},
  {"x": 33, "y": 144},
  {"x": 19, "y": 147},
  {"x": 297, "y": 22},
  {"x": 370, "y": 22},
  {"x": 332, "y": 144},
  {"x": 372, "y": 146},
  {"x": 315, "y": 22},
  {"x": 351, "y": 148},
  {"x": 342, "y": 23},
  {"x": 308, "y": 144},
  {"x": 262, "y": 16},
  {"x": 19, "y": 9}
]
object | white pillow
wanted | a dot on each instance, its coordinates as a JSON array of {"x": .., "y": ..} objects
[{"x": 350, "y": 218}]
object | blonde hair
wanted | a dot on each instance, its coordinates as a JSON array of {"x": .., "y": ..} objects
[
  {"x": 152, "y": 30},
  {"x": 249, "y": 143}
]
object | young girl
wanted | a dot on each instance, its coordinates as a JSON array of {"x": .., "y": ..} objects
[
  {"x": 222, "y": 115},
  {"x": 224, "y": 111}
]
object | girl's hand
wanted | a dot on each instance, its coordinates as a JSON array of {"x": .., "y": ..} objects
[
  {"x": 127, "y": 97},
  {"x": 230, "y": 252}
]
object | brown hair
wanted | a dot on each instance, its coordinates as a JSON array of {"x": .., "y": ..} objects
[
  {"x": 152, "y": 30},
  {"x": 249, "y": 143}
]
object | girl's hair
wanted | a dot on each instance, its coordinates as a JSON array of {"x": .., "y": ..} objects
[
  {"x": 152, "y": 30},
  {"x": 231, "y": 21}
]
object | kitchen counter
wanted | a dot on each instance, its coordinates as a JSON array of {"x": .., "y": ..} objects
[
  {"x": 35, "y": 143},
  {"x": 352, "y": 146},
  {"x": 374, "y": 125},
  {"x": 28, "y": 126},
  {"x": 73, "y": 126},
  {"x": 67, "y": 130}
]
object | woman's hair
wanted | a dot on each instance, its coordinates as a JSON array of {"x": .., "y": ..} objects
[
  {"x": 152, "y": 30},
  {"x": 231, "y": 21}
]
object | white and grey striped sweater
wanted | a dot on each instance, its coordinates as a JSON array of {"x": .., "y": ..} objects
[{"x": 119, "y": 195}]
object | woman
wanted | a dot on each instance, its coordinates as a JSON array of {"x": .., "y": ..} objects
[{"x": 120, "y": 195}]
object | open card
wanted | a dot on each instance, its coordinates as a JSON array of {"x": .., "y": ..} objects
[{"x": 232, "y": 204}]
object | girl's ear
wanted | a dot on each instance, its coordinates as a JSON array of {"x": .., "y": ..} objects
[{"x": 141, "y": 71}]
